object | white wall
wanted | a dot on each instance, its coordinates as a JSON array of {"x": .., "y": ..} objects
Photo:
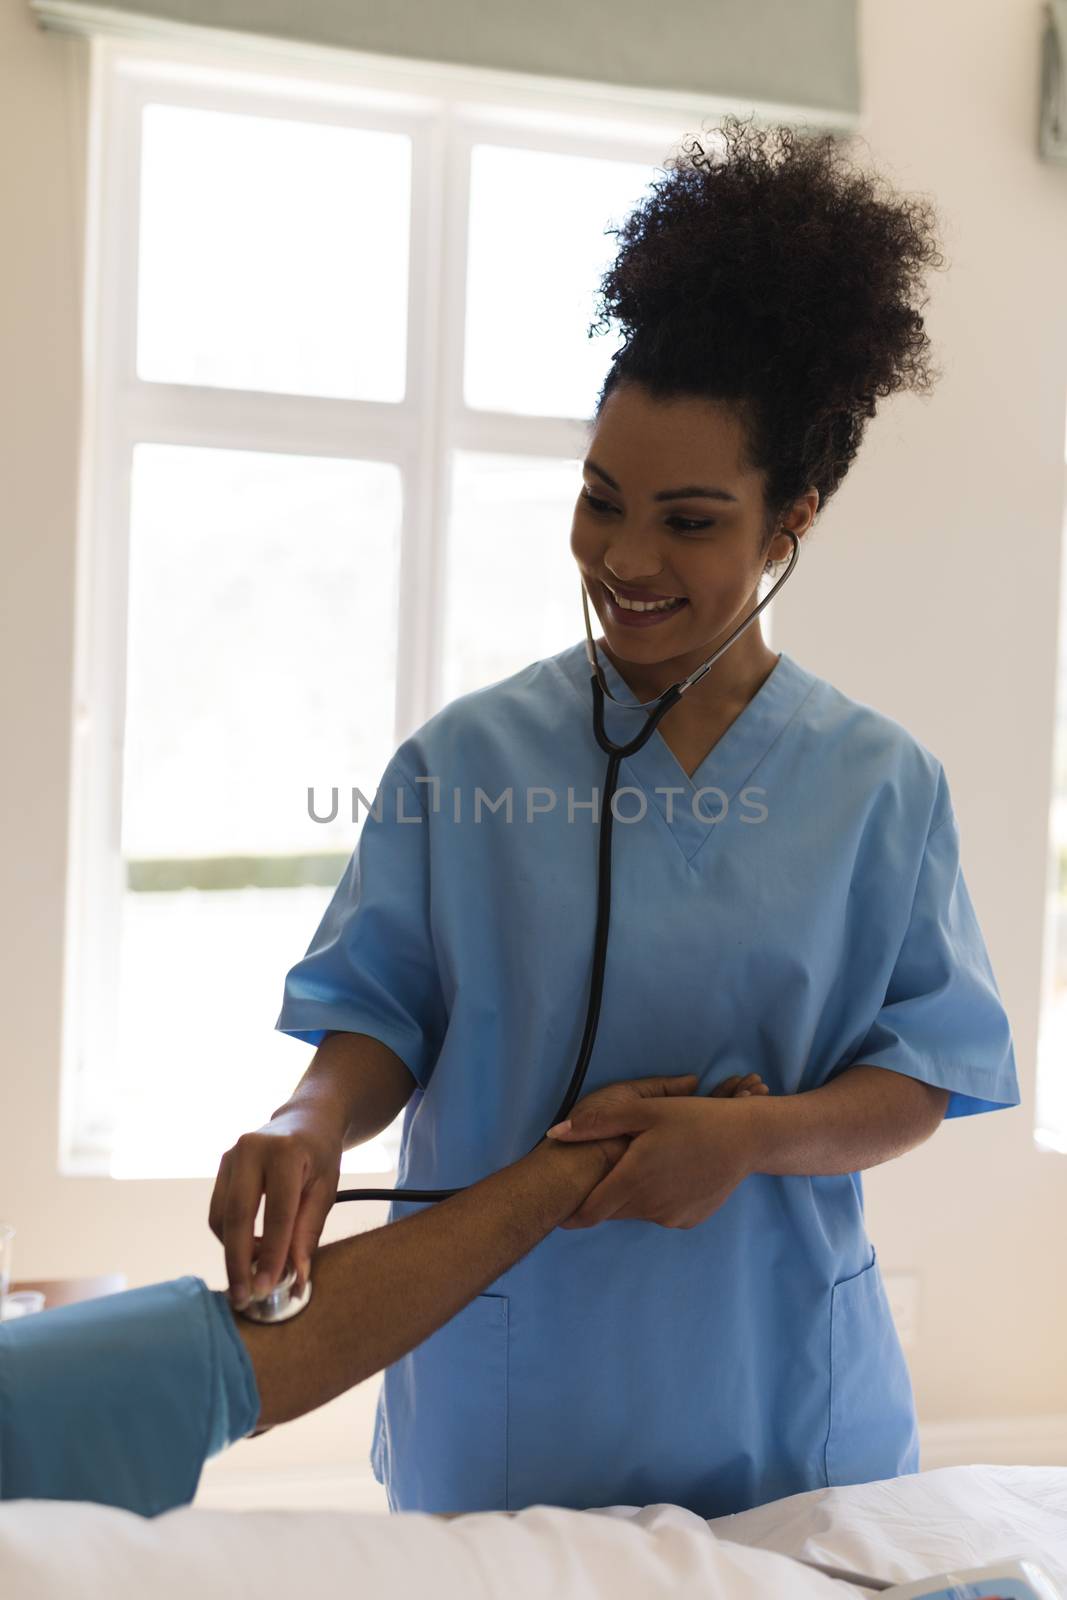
[{"x": 929, "y": 591}]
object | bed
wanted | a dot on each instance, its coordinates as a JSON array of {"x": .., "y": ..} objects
[{"x": 895, "y": 1530}]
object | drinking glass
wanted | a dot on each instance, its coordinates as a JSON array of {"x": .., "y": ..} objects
[{"x": 7, "y": 1236}]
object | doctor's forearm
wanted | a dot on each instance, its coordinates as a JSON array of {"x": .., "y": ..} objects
[
  {"x": 865, "y": 1116},
  {"x": 355, "y": 1084},
  {"x": 378, "y": 1295}
]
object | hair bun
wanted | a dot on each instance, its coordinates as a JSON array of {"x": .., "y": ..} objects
[{"x": 776, "y": 274}]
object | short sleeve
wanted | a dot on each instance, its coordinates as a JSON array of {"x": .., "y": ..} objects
[
  {"x": 942, "y": 1020},
  {"x": 370, "y": 967},
  {"x": 121, "y": 1399}
]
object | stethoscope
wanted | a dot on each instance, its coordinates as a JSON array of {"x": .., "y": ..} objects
[
  {"x": 278, "y": 1305},
  {"x": 616, "y": 754}
]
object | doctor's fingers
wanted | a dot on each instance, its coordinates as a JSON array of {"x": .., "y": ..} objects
[
  {"x": 609, "y": 1118},
  {"x": 737, "y": 1086},
  {"x": 612, "y": 1194},
  {"x": 247, "y": 1181},
  {"x": 284, "y": 1188},
  {"x": 315, "y": 1207},
  {"x": 651, "y": 1088},
  {"x": 586, "y": 1218},
  {"x": 217, "y": 1205}
]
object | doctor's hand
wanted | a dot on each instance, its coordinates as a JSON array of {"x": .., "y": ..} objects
[
  {"x": 293, "y": 1164},
  {"x": 618, "y": 1096},
  {"x": 684, "y": 1158}
]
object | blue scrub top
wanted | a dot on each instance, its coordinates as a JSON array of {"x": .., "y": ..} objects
[{"x": 794, "y": 908}]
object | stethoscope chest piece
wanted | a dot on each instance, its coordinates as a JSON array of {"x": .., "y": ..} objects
[{"x": 279, "y": 1303}]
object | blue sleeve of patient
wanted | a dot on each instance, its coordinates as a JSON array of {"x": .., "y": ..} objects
[{"x": 121, "y": 1400}]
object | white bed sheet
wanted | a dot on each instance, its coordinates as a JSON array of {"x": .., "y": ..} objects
[
  {"x": 899, "y": 1529},
  {"x": 904, "y": 1528}
]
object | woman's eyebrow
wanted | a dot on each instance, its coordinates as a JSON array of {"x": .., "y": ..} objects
[{"x": 697, "y": 490}]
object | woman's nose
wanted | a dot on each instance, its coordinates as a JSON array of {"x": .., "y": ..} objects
[
  {"x": 632, "y": 560},
  {"x": 634, "y": 572}
]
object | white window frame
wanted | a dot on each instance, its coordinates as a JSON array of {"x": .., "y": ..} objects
[{"x": 445, "y": 110}]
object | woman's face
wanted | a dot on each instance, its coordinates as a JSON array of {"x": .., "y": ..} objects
[{"x": 635, "y": 534}]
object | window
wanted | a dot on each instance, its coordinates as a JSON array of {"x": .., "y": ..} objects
[{"x": 320, "y": 437}]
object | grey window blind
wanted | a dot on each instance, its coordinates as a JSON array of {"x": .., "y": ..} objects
[
  {"x": 1053, "y": 127},
  {"x": 761, "y": 51}
]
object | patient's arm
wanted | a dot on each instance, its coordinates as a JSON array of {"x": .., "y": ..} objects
[
  {"x": 122, "y": 1399},
  {"x": 378, "y": 1295}
]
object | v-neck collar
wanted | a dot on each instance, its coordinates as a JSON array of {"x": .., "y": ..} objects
[{"x": 728, "y": 765}]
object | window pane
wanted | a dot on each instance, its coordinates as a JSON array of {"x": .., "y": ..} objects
[
  {"x": 261, "y": 650},
  {"x": 273, "y": 254},
  {"x": 537, "y": 250},
  {"x": 513, "y": 593},
  {"x": 261, "y": 659},
  {"x": 199, "y": 1060}
]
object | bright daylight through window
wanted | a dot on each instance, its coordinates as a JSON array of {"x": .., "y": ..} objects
[{"x": 280, "y": 464}]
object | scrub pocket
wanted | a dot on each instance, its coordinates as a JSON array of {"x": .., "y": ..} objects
[
  {"x": 441, "y": 1432},
  {"x": 873, "y": 1432}
]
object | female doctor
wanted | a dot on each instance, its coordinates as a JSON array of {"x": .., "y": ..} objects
[{"x": 711, "y": 1328}]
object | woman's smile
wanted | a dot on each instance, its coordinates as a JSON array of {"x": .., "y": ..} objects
[{"x": 633, "y": 613}]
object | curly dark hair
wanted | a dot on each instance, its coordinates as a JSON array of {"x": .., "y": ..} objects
[{"x": 781, "y": 280}]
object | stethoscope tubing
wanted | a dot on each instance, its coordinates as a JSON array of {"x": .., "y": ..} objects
[{"x": 596, "y": 984}]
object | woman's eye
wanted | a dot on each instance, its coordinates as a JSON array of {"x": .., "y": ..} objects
[
  {"x": 691, "y": 527},
  {"x": 687, "y": 524}
]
